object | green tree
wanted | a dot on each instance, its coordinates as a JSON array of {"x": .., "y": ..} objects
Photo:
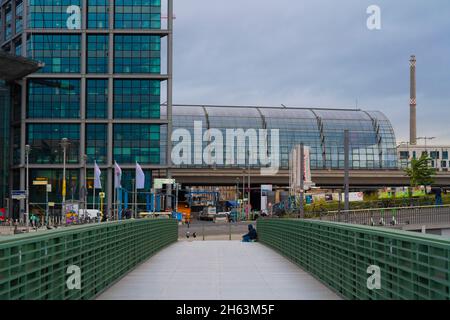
[{"x": 419, "y": 172}]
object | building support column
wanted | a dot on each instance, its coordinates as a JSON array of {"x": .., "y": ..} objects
[{"x": 169, "y": 97}]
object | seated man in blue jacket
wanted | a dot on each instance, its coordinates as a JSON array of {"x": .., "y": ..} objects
[{"x": 251, "y": 235}]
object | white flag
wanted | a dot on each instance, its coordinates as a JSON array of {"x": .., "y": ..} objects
[
  {"x": 97, "y": 175},
  {"x": 117, "y": 176},
  {"x": 140, "y": 177}
]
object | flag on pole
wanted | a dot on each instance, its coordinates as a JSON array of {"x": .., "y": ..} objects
[
  {"x": 117, "y": 176},
  {"x": 97, "y": 175},
  {"x": 140, "y": 177}
]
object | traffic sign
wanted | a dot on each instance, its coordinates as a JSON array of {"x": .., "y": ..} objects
[
  {"x": 40, "y": 182},
  {"x": 19, "y": 194}
]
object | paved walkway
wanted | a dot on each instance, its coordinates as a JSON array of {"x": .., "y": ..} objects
[{"x": 216, "y": 270}]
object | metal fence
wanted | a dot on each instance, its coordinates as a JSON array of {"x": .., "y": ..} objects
[
  {"x": 390, "y": 216},
  {"x": 38, "y": 266},
  {"x": 412, "y": 266}
]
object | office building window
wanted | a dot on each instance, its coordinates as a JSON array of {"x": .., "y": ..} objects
[
  {"x": 51, "y": 14},
  {"x": 96, "y": 143},
  {"x": 19, "y": 17},
  {"x": 8, "y": 23},
  {"x": 53, "y": 98},
  {"x": 137, "y": 14},
  {"x": 404, "y": 155},
  {"x": 60, "y": 52},
  {"x": 137, "y": 54},
  {"x": 97, "y": 53},
  {"x": 18, "y": 48},
  {"x": 136, "y": 99},
  {"x": 445, "y": 155},
  {"x": 45, "y": 140},
  {"x": 97, "y": 15},
  {"x": 55, "y": 178},
  {"x": 444, "y": 164},
  {"x": 97, "y": 98},
  {"x": 434, "y": 155},
  {"x": 137, "y": 142}
]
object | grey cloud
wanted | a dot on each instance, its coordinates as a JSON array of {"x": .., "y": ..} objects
[{"x": 316, "y": 53}]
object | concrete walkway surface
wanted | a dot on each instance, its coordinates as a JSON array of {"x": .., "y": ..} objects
[{"x": 218, "y": 270}]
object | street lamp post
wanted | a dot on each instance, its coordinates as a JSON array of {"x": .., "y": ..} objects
[
  {"x": 426, "y": 139},
  {"x": 236, "y": 197},
  {"x": 64, "y": 145},
  {"x": 85, "y": 157},
  {"x": 27, "y": 206},
  {"x": 243, "y": 193},
  {"x": 249, "y": 187}
]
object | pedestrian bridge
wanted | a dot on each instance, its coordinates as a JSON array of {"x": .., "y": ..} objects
[
  {"x": 218, "y": 270},
  {"x": 294, "y": 259}
]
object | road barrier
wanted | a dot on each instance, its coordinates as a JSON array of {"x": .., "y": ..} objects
[
  {"x": 412, "y": 266},
  {"x": 78, "y": 262},
  {"x": 391, "y": 216}
]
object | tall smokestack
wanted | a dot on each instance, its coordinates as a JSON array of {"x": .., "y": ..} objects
[{"x": 413, "y": 103}]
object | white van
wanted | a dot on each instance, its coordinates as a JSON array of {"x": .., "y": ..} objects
[{"x": 89, "y": 215}]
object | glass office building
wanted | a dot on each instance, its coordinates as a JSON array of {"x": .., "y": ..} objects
[
  {"x": 371, "y": 136},
  {"x": 107, "y": 69}
]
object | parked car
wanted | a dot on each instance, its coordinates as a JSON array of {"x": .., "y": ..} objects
[
  {"x": 221, "y": 217},
  {"x": 208, "y": 213}
]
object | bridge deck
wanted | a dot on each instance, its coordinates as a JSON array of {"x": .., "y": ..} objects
[{"x": 215, "y": 270}]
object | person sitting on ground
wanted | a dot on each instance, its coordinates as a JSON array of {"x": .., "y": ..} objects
[{"x": 251, "y": 235}]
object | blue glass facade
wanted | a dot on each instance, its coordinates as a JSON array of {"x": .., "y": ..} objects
[
  {"x": 137, "y": 14},
  {"x": 137, "y": 54},
  {"x": 100, "y": 87},
  {"x": 97, "y": 53},
  {"x": 136, "y": 99},
  {"x": 97, "y": 15},
  {"x": 50, "y": 14},
  {"x": 97, "y": 143},
  {"x": 61, "y": 53},
  {"x": 45, "y": 140},
  {"x": 97, "y": 98},
  {"x": 136, "y": 143},
  {"x": 53, "y": 98}
]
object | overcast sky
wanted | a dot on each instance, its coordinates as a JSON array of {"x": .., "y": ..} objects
[{"x": 316, "y": 53}]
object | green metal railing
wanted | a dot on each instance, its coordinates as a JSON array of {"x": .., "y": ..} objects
[
  {"x": 413, "y": 266},
  {"x": 35, "y": 266}
]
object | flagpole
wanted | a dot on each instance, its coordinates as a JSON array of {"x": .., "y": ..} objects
[
  {"x": 93, "y": 199},
  {"x": 114, "y": 194},
  {"x": 115, "y": 203},
  {"x": 135, "y": 200},
  {"x": 133, "y": 185}
]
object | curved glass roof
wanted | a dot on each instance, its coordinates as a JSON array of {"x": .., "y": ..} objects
[{"x": 372, "y": 139}]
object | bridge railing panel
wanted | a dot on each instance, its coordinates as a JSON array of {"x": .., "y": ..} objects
[
  {"x": 46, "y": 265},
  {"x": 412, "y": 266},
  {"x": 391, "y": 216}
]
